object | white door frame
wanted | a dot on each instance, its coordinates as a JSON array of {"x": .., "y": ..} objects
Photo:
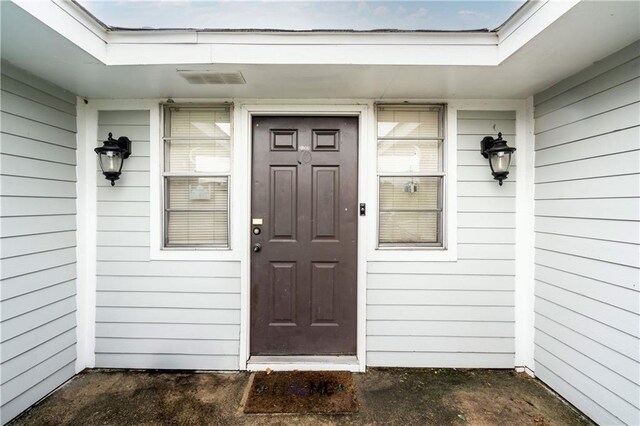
[{"x": 244, "y": 114}]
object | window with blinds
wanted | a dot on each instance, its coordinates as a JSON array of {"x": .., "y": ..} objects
[
  {"x": 410, "y": 175},
  {"x": 196, "y": 173}
]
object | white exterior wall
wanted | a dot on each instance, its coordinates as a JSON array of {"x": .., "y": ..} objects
[
  {"x": 460, "y": 313},
  {"x": 38, "y": 239},
  {"x": 587, "y": 209},
  {"x": 186, "y": 313},
  {"x": 152, "y": 313}
]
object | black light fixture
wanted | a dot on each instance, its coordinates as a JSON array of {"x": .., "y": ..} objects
[
  {"x": 112, "y": 154},
  {"x": 499, "y": 155}
]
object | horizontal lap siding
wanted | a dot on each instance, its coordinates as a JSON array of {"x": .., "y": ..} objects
[
  {"x": 38, "y": 239},
  {"x": 587, "y": 307},
  {"x": 150, "y": 313},
  {"x": 454, "y": 314}
]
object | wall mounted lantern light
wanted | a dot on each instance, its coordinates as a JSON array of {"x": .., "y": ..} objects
[
  {"x": 112, "y": 154},
  {"x": 499, "y": 155}
]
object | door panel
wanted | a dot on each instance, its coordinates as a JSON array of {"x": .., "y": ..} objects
[
  {"x": 304, "y": 197},
  {"x": 283, "y": 290},
  {"x": 283, "y": 199},
  {"x": 323, "y": 303},
  {"x": 326, "y": 193}
]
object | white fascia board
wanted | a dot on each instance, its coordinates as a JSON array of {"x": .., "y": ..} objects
[
  {"x": 78, "y": 28},
  {"x": 301, "y": 38},
  {"x": 156, "y": 54},
  {"x": 159, "y": 54},
  {"x": 355, "y": 55},
  {"x": 152, "y": 37},
  {"x": 530, "y": 21},
  {"x": 358, "y": 48},
  {"x": 180, "y": 47},
  {"x": 77, "y": 13}
]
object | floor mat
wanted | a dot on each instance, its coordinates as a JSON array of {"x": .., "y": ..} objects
[{"x": 330, "y": 392}]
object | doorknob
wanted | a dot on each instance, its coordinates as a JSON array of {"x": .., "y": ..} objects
[{"x": 256, "y": 247}]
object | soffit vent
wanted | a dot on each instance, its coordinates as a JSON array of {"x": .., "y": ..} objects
[{"x": 212, "y": 77}]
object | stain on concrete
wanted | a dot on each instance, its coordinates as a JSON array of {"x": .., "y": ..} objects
[{"x": 387, "y": 397}]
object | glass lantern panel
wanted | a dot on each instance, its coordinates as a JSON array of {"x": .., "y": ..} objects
[
  {"x": 111, "y": 161},
  {"x": 500, "y": 161}
]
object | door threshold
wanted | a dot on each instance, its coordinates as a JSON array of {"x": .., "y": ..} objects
[{"x": 303, "y": 363}]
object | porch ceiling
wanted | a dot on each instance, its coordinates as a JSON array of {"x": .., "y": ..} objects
[{"x": 586, "y": 33}]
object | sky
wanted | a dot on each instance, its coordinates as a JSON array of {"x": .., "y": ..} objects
[{"x": 304, "y": 14}]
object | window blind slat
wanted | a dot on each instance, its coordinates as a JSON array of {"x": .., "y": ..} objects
[
  {"x": 198, "y": 156},
  {"x": 409, "y": 227},
  {"x": 415, "y": 123},
  {"x": 409, "y": 156},
  {"x": 197, "y": 193},
  {"x": 197, "y": 228},
  {"x": 203, "y": 218},
  {"x": 396, "y": 192},
  {"x": 403, "y": 201},
  {"x": 199, "y": 123}
]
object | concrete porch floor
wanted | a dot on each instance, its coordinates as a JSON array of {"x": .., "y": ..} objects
[{"x": 387, "y": 396}]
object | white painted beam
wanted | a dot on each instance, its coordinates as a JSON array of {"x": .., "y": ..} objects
[
  {"x": 87, "y": 123},
  {"x": 525, "y": 251}
]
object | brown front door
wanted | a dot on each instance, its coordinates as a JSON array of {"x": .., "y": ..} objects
[{"x": 304, "y": 204}]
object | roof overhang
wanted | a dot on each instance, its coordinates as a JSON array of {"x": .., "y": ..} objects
[{"x": 542, "y": 43}]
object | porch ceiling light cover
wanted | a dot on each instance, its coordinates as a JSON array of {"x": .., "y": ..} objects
[
  {"x": 112, "y": 155},
  {"x": 499, "y": 155}
]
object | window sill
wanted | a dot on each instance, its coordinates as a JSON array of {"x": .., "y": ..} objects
[{"x": 412, "y": 254}]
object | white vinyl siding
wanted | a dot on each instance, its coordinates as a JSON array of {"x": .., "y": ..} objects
[
  {"x": 454, "y": 314},
  {"x": 38, "y": 239},
  {"x": 151, "y": 313},
  {"x": 587, "y": 207}
]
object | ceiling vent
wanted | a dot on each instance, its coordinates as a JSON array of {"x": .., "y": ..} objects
[{"x": 212, "y": 77}]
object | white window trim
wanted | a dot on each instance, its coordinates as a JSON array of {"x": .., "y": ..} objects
[
  {"x": 156, "y": 227},
  {"x": 449, "y": 251}
]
